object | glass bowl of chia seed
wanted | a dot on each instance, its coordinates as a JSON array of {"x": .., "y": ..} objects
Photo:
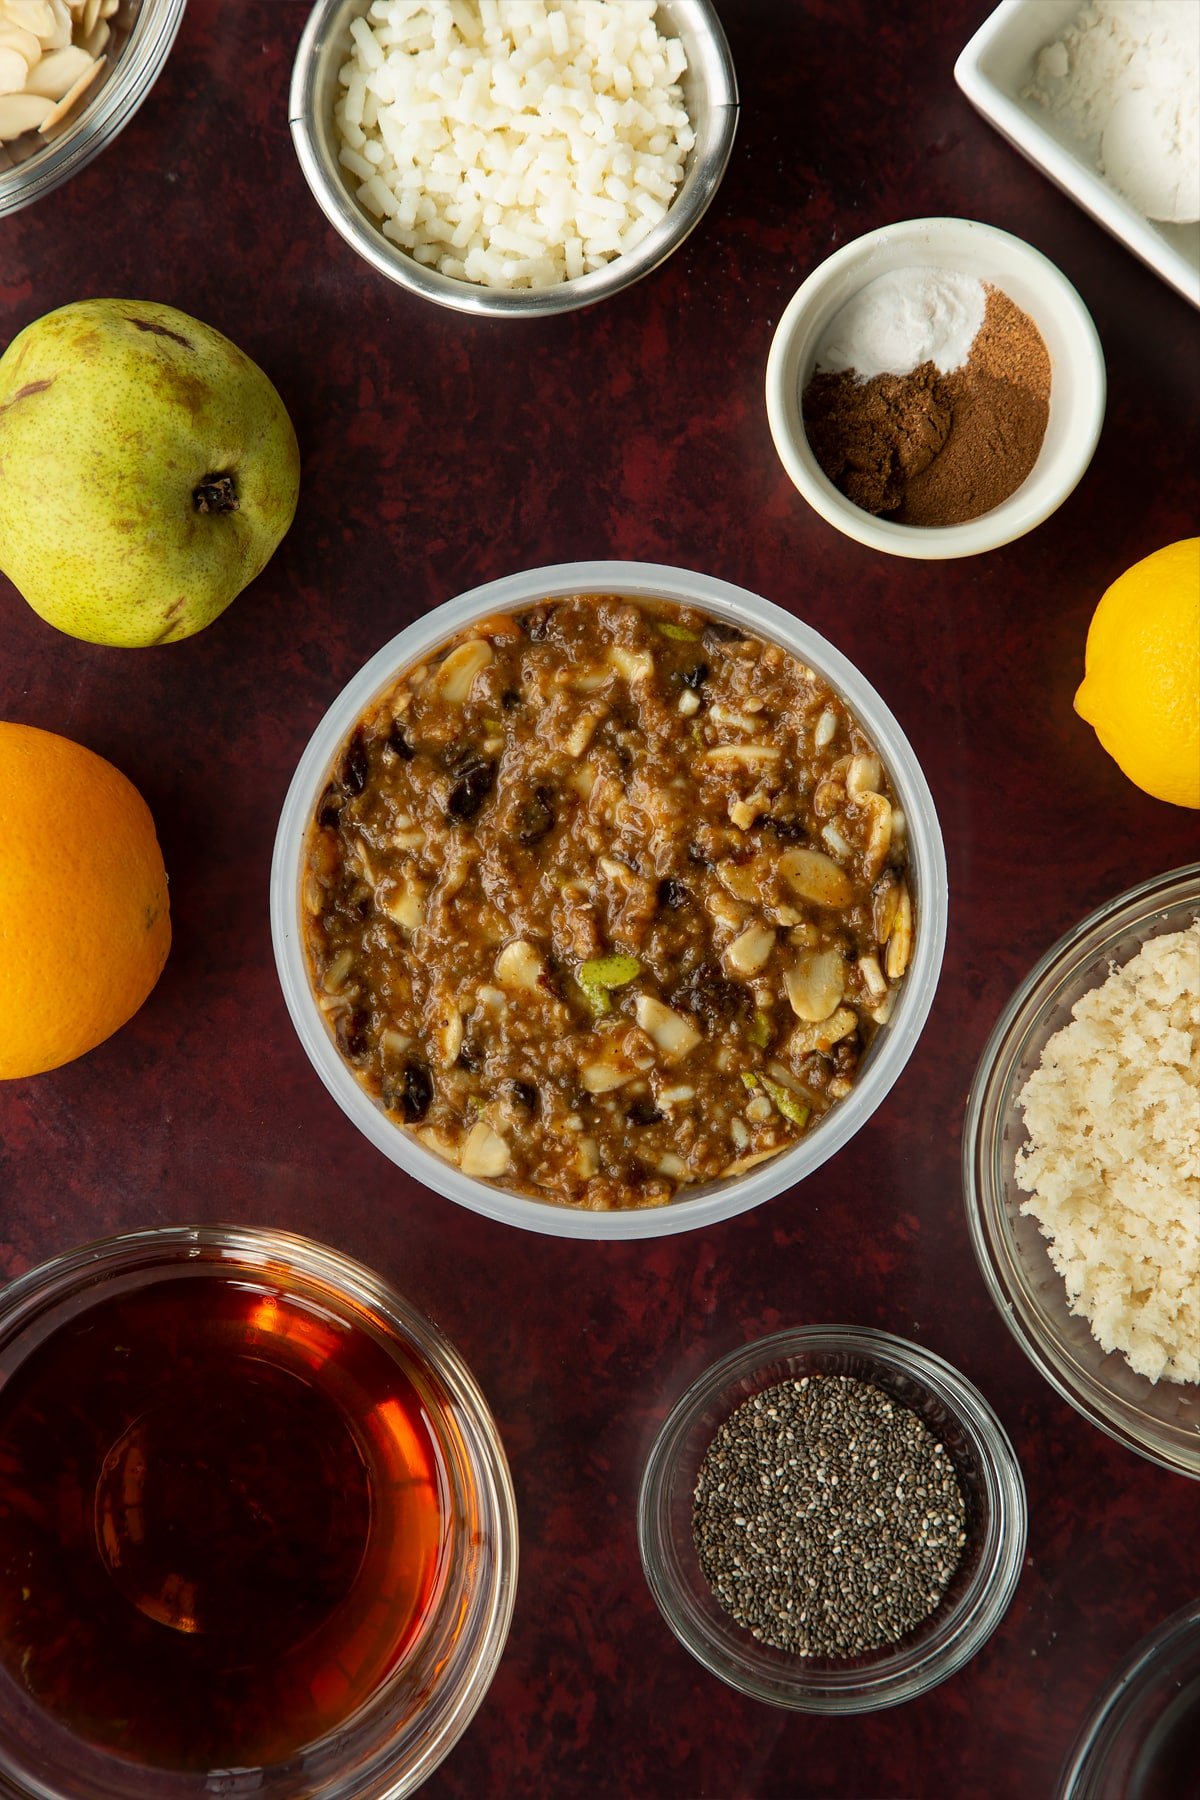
[{"x": 832, "y": 1519}]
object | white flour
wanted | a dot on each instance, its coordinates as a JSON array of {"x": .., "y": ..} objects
[
  {"x": 904, "y": 319},
  {"x": 1124, "y": 79}
]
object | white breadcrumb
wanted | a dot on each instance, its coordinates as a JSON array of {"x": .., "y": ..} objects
[{"x": 1113, "y": 1159}]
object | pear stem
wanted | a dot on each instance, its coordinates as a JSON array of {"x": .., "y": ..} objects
[{"x": 216, "y": 494}]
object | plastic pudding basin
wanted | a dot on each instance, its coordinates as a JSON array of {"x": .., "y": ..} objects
[
  {"x": 927, "y": 873},
  {"x": 710, "y": 90},
  {"x": 1077, "y": 391},
  {"x": 1159, "y": 1419},
  {"x": 979, "y": 1591}
]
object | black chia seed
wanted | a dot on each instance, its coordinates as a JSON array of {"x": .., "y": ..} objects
[{"x": 827, "y": 1517}]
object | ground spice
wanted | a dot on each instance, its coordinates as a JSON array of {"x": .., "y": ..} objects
[
  {"x": 932, "y": 449},
  {"x": 827, "y": 1518}
]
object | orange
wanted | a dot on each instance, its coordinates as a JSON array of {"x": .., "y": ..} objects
[{"x": 84, "y": 925}]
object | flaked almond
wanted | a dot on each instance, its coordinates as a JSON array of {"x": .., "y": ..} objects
[
  {"x": 407, "y": 907},
  {"x": 56, "y": 72},
  {"x": 634, "y": 665},
  {"x": 726, "y": 756},
  {"x": 879, "y": 831},
  {"x": 485, "y": 1153},
  {"x": 751, "y": 951},
  {"x": 885, "y": 898},
  {"x": 872, "y": 976},
  {"x": 580, "y": 735},
  {"x": 743, "y": 1163},
  {"x": 27, "y": 47},
  {"x": 823, "y": 1035},
  {"x": 455, "y": 675},
  {"x": 668, "y": 1030},
  {"x": 519, "y": 966},
  {"x": 816, "y": 877},
  {"x": 610, "y": 1070},
  {"x": 825, "y": 730},
  {"x": 743, "y": 880},
  {"x": 863, "y": 776},
  {"x": 33, "y": 16},
  {"x": 335, "y": 975},
  {"x": 444, "y": 1024},
  {"x": 60, "y": 37},
  {"x": 439, "y": 1142},
  {"x": 14, "y": 73},
  {"x": 899, "y": 947},
  {"x": 96, "y": 39},
  {"x": 815, "y": 983},
  {"x": 67, "y": 100}
]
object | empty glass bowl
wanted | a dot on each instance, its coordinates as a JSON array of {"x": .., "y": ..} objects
[
  {"x": 1161, "y": 1419},
  {"x": 1141, "y": 1740},
  {"x": 979, "y": 1591}
]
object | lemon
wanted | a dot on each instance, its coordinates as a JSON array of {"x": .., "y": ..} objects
[{"x": 1141, "y": 686}]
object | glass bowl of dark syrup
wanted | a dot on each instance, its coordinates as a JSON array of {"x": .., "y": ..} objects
[{"x": 257, "y": 1532}]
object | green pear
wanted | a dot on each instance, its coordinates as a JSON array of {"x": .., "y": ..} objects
[{"x": 148, "y": 470}]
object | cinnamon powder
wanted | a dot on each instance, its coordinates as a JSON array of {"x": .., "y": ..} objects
[{"x": 932, "y": 449}]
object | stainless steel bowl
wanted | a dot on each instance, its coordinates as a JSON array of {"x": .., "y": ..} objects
[
  {"x": 710, "y": 89},
  {"x": 142, "y": 34}
]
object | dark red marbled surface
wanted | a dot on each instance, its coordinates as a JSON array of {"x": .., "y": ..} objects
[{"x": 438, "y": 453}]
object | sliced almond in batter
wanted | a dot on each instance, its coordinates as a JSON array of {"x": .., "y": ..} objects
[
  {"x": 815, "y": 983},
  {"x": 816, "y": 877},
  {"x": 455, "y": 675}
]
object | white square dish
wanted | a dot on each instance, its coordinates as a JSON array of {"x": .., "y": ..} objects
[{"x": 993, "y": 71}]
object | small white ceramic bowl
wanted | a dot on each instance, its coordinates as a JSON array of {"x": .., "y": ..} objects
[
  {"x": 1077, "y": 391},
  {"x": 993, "y": 72},
  {"x": 892, "y": 1046}
]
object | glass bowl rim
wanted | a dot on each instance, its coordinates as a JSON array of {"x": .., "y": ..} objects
[
  {"x": 105, "y": 115},
  {"x": 979, "y": 1609},
  {"x": 379, "y": 1775},
  {"x": 988, "y": 1218},
  {"x": 1120, "y": 1696}
]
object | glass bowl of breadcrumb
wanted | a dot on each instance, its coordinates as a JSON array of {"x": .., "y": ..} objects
[{"x": 1081, "y": 1168}]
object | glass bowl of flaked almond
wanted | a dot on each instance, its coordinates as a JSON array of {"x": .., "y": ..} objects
[
  {"x": 609, "y": 900},
  {"x": 72, "y": 75}
]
